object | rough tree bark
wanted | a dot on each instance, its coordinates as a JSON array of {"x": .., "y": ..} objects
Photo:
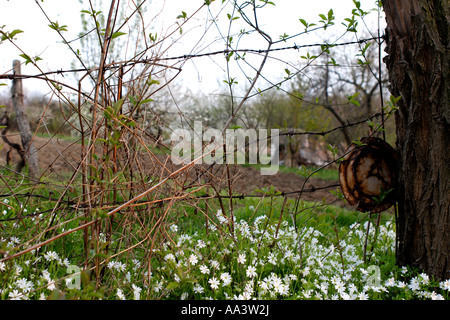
[
  {"x": 418, "y": 64},
  {"x": 23, "y": 124}
]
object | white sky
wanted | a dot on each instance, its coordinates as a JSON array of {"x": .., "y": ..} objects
[{"x": 205, "y": 74}]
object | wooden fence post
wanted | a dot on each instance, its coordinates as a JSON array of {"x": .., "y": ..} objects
[{"x": 23, "y": 124}]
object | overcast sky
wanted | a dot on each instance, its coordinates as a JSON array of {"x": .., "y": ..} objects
[{"x": 198, "y": 74}]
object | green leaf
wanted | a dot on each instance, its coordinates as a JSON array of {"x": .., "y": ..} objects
[
  {"x": 153, "y": 37},
  {"x": 57, "y": 27},
  {"x": 230, "y": 55},
  {"x": 146, "y": 101},
  {"x": 27, "y": 58},
  {"x": 333, "y": 62},
  {"x": 303, "y": 21},
  {"x": 118, "y": 105},
  {"x": 117, "y": 34},
  {"x": 107, "y": 114},
  {"x": 363, "y": 51},
  {"x": 150, "y": 81},
  {"x": 333, "y": 149},
  {"x": 330, "y": 15},
  {"x": 394, "y": 99},
  {"x": 183, "y": 15},
  {"x": 284, "y": 37},
  {"x": 172, "y": 285},
  {"x": 14, "y": 32},
  {"x": 351, "y": 99},
  {"x": 9, "y": 35}
]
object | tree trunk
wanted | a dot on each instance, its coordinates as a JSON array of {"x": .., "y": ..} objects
[
  {"x": 23, "y": 124},
  {"x": 418, "y": 64}
]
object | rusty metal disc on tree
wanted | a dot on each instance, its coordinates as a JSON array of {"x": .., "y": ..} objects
[{"x": 368, "y": 175}]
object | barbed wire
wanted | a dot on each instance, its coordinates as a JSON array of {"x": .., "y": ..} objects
[{"x": 116, "y": 65}]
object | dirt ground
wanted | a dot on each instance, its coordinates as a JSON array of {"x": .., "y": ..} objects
[{"x": 57, "y": 156}]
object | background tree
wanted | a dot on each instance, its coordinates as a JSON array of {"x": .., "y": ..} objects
[{"x": 418, "y": 63}]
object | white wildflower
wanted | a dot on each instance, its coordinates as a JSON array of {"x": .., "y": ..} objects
[
  {"x": 15, "y": 295},
  {"x": 193, "y": 259},
  {"x": 284, "y": 289},
  {"x": 204, "y": 269},
  {"x": 214, "y": 283},
  {"x": 264, "y": 286},
  {"x": 390, "y": 282},
  {"x": 120, "y": 294},
  {"x": 65, "y": 263},
  {"x": 363, "y": 296},
  {"x": 24, "y": 285},
  {"x": 214, "y": 264},
  {"x": 226, "y": 278},
  {"x": 251, "y": 271},
  {"x": 241, "y": 258},
  {"x": 445, "y": 285},
  {"x": 169, "y": 256},
  {"x": 305, "y": 271},
  {"x": 425, "y": 278},
  {"x": 158, "y": 286},
  {"x": 198, "y": 289},
  {"x": 201, "y": 244},
  {"x": 436, "y": 296},
  {"x": 136, "y": 264},
  {"x": 272, "y": 258},
  {"x": 51, "y": 285},
  {"x": 414, "y": 285},
  {"x": 136, "y": 292},
  {"x": 17, "y": 270},
  {"x": 222, "y": 219},
  {"x": 51, "y": 255}
]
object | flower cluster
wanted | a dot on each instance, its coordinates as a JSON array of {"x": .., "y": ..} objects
[
  {"x": 259, "y": 258},
  {"x": 265, "y": 261}
]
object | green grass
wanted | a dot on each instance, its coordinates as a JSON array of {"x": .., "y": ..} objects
[
  {"x": 327, "y": 174},
  {"x": 323, "y": 217}
]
